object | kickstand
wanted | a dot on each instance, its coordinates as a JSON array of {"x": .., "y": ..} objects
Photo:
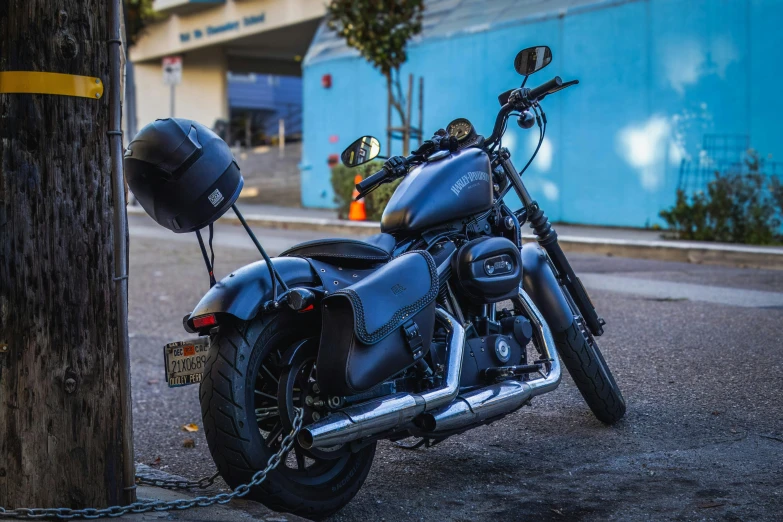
[{"x": 424, "y": 441}]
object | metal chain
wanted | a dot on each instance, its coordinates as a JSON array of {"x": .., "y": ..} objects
[
  {"x": 160, "y": 505},
  {"x": 203, "y": 483}
]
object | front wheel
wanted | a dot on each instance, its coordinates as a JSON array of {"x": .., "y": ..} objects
[
  {"x": 582, "y": 357},
  {"x": 248, "y": 395}
]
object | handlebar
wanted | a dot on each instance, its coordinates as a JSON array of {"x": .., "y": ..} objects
[
  {"x": 521, "y": 100},
  {"x": 369, "y": 181},
  {"x": 544, "y": 89},
  {"x": 379, "y": 177}
]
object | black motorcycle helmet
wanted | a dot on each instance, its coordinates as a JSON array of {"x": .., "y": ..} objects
[{"x": 182, "y": 173}]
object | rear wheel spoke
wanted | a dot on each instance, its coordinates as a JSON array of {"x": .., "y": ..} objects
[
  {"x": 270, "y": 374},
  {"x": 266, "y": 413},
  {"x": 276, "y": 431},
  {"x": 262, "y": 394}
]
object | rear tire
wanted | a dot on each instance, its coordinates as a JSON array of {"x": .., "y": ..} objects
[
  {"x": 241, "y": 378},
  {"x": 582, "y": 357}
]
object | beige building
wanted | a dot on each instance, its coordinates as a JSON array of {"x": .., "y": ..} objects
[{"x": 213, "y": 38}]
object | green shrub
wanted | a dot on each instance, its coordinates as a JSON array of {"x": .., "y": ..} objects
[
  {"x": 736, "y": 208},
  {"x": 374, "y": 202}
]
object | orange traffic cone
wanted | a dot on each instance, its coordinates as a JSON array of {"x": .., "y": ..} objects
[{"x": 356, "y": 212}]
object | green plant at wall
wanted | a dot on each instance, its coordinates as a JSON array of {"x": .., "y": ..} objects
[
  {"x": 380, "y": 30},
  {"x": 736, "y": 208},
  {"x": 374, "y": 202}
]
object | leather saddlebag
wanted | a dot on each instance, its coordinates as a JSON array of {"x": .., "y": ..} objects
[{"x": 378, "y": 326}]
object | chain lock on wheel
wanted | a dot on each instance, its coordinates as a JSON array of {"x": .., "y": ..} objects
[{"x": 159, "y": 505}]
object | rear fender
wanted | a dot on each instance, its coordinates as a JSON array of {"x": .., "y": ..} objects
[{"x": 243, "y": 292}]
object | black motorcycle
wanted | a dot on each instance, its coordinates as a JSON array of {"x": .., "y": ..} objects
[{"x": 443, "y": 322}]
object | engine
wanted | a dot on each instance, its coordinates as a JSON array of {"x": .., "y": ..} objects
[
  {"x": 480, "y": 274},
  {"x": 497, "y": 350}
]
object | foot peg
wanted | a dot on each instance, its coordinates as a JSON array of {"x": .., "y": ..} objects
[{"x": 499, "y": 373}]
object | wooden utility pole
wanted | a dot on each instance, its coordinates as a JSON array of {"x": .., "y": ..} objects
[{"x": 61, "y": 430}]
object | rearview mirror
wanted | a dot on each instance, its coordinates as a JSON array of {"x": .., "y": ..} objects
[
  {"x": 361, "y": 151},
  {"x": 532, "y": 59}
]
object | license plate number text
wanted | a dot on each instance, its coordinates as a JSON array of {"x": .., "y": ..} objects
[{"x": 185, "y": 361}]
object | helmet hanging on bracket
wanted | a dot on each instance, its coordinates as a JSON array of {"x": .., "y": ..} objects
[{"x": 182, "y": 173}]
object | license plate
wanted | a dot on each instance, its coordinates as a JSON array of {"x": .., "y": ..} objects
[{"x": 185, "y": 361}]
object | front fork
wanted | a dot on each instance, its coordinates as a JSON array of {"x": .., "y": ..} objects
[{"x": 547, "y": 239}]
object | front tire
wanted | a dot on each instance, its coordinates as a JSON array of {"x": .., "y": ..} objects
[
  {"x": 582, "y": 357},
  {"x": 241, "y": 379}
]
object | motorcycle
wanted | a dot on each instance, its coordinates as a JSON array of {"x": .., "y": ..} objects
[{"x": 441, "y": 323}]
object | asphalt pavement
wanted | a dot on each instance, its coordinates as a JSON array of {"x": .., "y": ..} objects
[{"x": 695, "y": 349}]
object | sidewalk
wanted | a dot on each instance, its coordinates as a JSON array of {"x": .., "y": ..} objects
[
  {"x": 277, "y": 210},
  {"x": 234, "y": 511},
  {"x": 609, "y": 241}
]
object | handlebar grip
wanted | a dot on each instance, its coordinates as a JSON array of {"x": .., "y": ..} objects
[
  {"x": 537, "y": 92},
  {"x": 368, "y": 182}
]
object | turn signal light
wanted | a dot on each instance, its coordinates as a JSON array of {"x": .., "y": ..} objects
[{"x": 203, "y": 321}]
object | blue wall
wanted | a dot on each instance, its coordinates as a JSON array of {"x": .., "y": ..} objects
[{"x": 656, "y": 76}]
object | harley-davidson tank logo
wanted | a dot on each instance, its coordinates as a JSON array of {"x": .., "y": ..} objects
[{"x": 469, "y": 179}]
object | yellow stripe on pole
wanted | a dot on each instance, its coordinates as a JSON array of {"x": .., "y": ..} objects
[{"x": 29, "y": 82}]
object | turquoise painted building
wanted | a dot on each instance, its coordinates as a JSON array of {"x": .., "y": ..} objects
[{"x": 667, "y": 87}]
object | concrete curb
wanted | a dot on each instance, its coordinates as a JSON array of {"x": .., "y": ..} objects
[
  {"x": 770, "y": 258},
  {"x": 364, "y": 228},
  {"x": 681, "y": 251}
]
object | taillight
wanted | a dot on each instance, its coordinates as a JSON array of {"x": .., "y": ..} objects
[{"x": 203, "y": 321}]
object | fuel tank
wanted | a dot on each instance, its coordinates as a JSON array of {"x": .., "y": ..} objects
[{"x": 435, "y": 192}]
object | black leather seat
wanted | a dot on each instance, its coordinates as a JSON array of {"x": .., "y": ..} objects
[{"x": 372, "y": 250}]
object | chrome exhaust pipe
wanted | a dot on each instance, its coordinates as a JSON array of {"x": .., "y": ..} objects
[
  {"x": 503, "y": 397},
  {"x": 379, "y": 415}
]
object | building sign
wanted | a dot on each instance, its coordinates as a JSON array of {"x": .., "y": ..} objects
[
  {"x": 212, "y": 30},
  {"x": 172, "y": 70}
]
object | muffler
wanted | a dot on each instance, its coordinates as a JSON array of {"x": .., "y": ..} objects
[
  {"x": 503, "y": 397},
  {"x": 386, "y": 413}
]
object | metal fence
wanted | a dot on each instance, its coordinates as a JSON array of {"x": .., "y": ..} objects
[{"x": 722, "y": 154}]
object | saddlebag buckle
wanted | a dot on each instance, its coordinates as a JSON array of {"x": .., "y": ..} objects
[{"x": 413, "y": 339}]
